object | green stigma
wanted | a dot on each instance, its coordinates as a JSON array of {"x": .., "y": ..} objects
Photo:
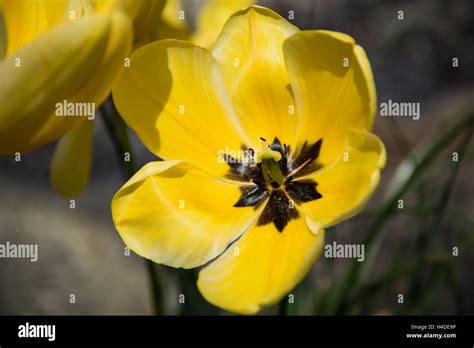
[{"x": 269, "y": 161}]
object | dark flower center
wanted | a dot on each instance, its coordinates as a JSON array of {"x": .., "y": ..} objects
[{"x": 282, "y": 181}]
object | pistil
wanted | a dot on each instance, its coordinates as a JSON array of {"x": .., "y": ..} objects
[
  {"x": 272, "y": 173},
  {"x": 268, "y": 160}
]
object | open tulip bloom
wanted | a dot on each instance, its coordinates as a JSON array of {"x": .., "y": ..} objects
[{"x": 266, "y": 141}]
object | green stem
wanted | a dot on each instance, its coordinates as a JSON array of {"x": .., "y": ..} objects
[
  {"x": 424, "y": 239},
  {"x": 155, "y": 287},
  {"x": 117, "y": 130},
  {"x": 369, "y": 291}
]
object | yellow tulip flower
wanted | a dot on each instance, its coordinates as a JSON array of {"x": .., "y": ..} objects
[
  {"x": 51, "y": 53},
  {"x": 266, "y": 142},
  {"x": 63, "y": 52}
]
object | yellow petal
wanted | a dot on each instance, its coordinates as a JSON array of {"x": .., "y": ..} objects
[
  {"x": 173, "y": 98},
  {"x": 95, "y": 90},
  {"x": 26, "y": 19},
  {"x": 57, "y": 66},
  {"x": 71, "y": 162},
  {"x": 172, "y": 25},
  {"x": 142, "y": 13},
  {"x": 250, "y": 54},
  {"x": 174, "y": 213},
  {"x": 112, "y": 59},
  {"x": 261, "y": 267},
  {"x": 347, "y": 183},
  {"x": 212, "y": 17},
  {"x": 333, "y": 87}
]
